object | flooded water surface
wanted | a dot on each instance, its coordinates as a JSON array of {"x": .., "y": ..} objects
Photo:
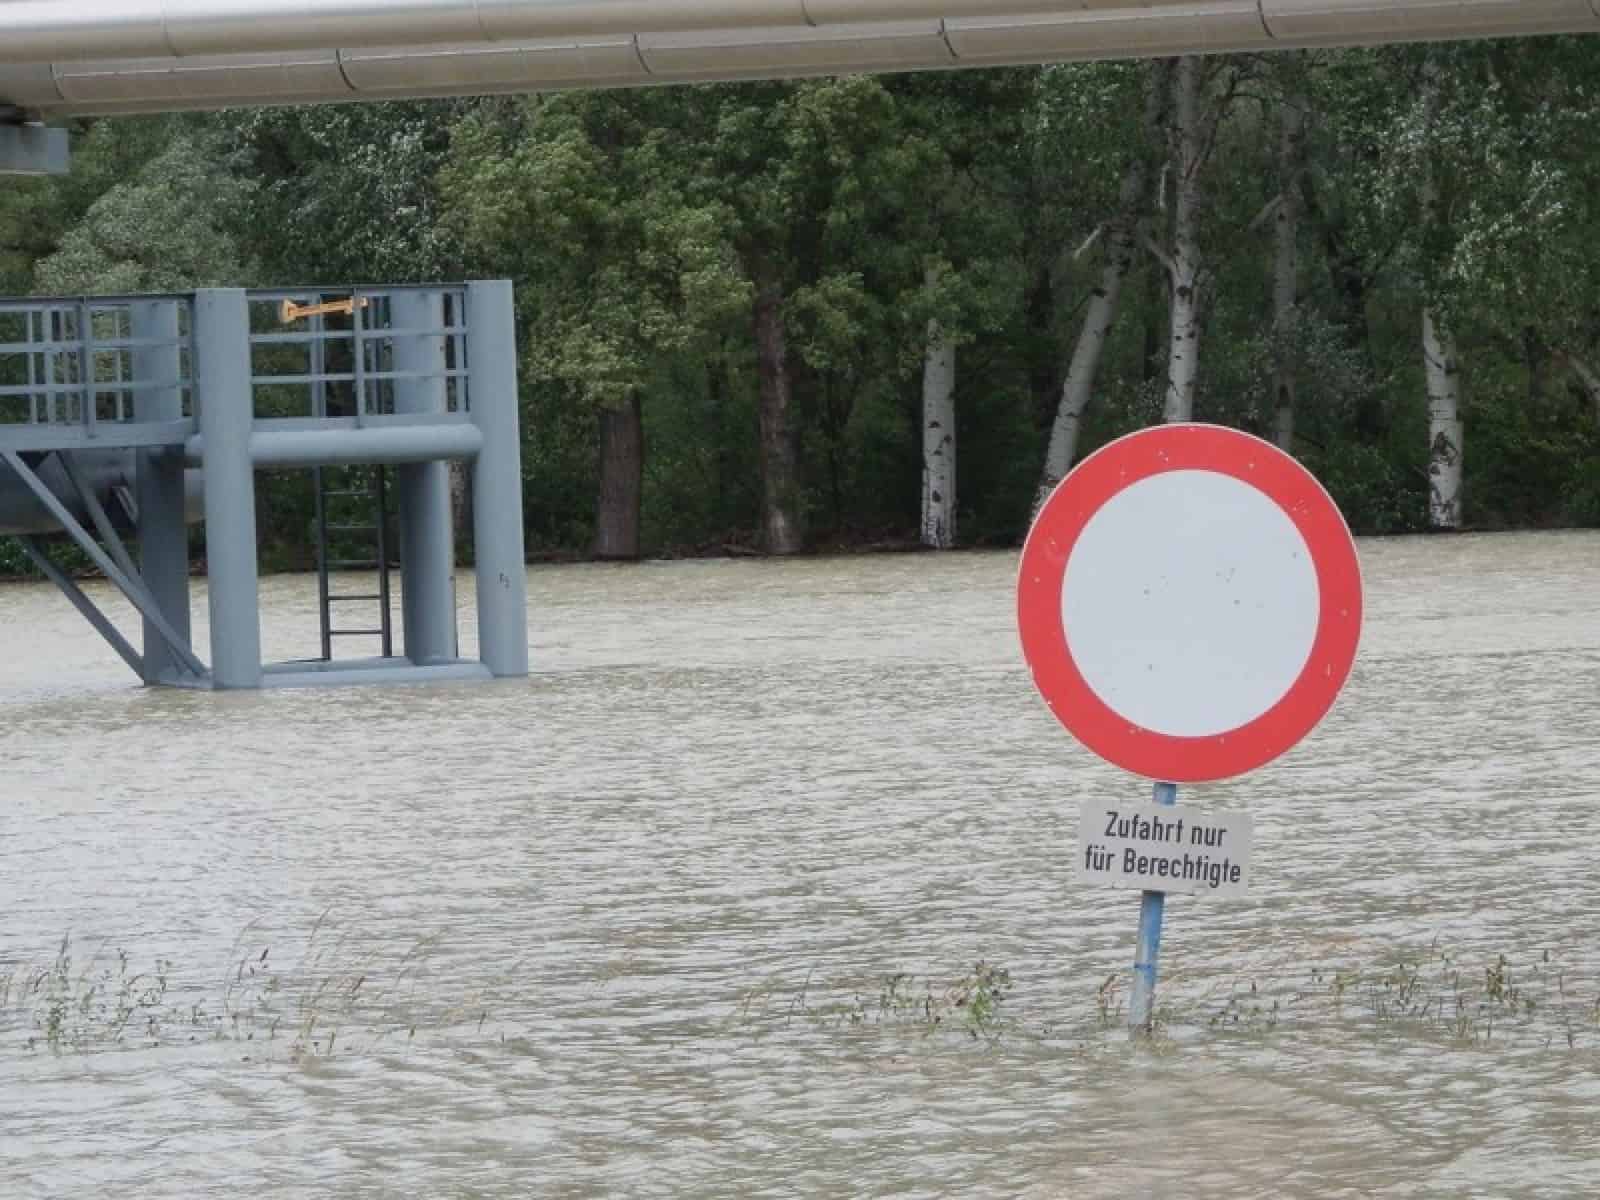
[{"x": 762, "y": 886}]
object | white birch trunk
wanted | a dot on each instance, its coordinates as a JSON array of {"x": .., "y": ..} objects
[
  {"x": 1440, "y": 362},
  {"x": 1120, "y": 237},
  {"x": 1445, "y": 428},
  {"x": 939, "y": 440},
  {"x": 1286, "y": 268},
  {"x": 1184, "y": 263},
  {"x": 1078, "y": 387}
]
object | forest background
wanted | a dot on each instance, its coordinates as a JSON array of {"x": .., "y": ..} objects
[{"x": 893, "y": 310}]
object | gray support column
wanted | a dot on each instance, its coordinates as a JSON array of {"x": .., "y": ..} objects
[
  {"x": 33, "y": 150},
  {"x": 427, "y": 547},
  {"x": 158, "y": 489},
  {"x": 223, "y": 397},
  {"x": 497, "y": 480}
]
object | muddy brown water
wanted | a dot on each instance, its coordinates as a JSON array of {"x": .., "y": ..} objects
[{"x": 625, "y": 928}]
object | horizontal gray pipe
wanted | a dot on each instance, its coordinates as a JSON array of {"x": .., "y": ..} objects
[
  {"x": 466, "y": 47},
  {"x": 104, "y": 470},
  {"x": 52, "y": 30},
  {"x": 374, "y": 444}
]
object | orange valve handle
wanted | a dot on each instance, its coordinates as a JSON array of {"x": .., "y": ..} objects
[{"x": 289, "y": 311}]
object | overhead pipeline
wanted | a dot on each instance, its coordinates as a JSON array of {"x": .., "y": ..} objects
[{"x": 60, "y": 59}]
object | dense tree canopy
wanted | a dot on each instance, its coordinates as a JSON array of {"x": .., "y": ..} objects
[{"x": 731, "y": 298}]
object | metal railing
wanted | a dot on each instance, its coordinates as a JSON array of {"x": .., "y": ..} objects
[
  {"x": 77, "y": 361},
  {"x": 347, "y": 363}
]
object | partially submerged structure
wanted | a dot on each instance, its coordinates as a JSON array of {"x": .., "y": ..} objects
[
  {"x": 114, "y": 399},
  {"x": 132, "y": 415}
]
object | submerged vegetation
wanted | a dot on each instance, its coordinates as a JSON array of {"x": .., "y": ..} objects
[
  {"x": 1430, "y": 993},
  {"x": 331, "y": 998},
  {"x": 333, "y": 1001},
  {"x": 969, "y": 1004}
]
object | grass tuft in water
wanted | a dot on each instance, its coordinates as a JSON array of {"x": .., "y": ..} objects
[
  {"x": 971, "y": 1004},
  {"x": 332, "y": 997},
  {"x": 1432, "y": 991}
]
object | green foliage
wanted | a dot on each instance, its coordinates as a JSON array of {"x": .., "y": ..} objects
[
  {"x": 162, "y": 230},
  {"x": 37, "y": 213},
  {"x": 14, "y": 564},
  {"x": 583, "y": 198},
  {"x": 343, "y": 194},
  {"x": 638, "y": 226}
]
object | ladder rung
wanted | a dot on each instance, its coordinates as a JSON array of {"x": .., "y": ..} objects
[
  {"x": 356, "y": 596},
  {"x": 354, "y": 564},
  {"x": 352, "y": 529},
  {"x": 355, "y": 633}
]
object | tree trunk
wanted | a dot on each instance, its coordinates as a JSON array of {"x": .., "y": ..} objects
[
  {"x": 781, "y": 530},
  {"x": 1189, "y": 143},
  {"x": 1588, "y": 378},
  {"x": 939, "y": 440},
  {"x": 1286, "y": 266},
  {"x": 616, "y": 533},
  {"x": 1441, "y": 365},
  {"x": 1445, "y": 428},
  {"x": 1120, "y": 236}
]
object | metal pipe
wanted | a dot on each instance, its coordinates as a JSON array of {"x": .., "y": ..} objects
[
  {"x": 225, "y": 402},
  {"x": 159, "y": 480},
  {"x": 36, "y": 31},
  {"x": 20, "y": 509},
  {"x": 427, "y": 549},
  {"x": 351, "y": 447},
  {"x": 1147, "y": 952},
  {"x": 497, "y": 481},
  {"x": 80, "y": 57}
]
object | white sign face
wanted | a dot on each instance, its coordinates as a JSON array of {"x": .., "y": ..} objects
[
  {"x": 1164, "y": 848},
  {"x": 1190, "y": 603}
]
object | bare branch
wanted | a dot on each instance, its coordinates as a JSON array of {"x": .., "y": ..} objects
[
  {"x": 1161, "y": 256},
  {"x": 1266, "y": 213}
]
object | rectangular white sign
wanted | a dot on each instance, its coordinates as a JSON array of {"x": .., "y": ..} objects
[{"x": 1164, "y": 848}]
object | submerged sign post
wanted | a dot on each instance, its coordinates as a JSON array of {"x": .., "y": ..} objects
[{"x": 1189, "y": 601}]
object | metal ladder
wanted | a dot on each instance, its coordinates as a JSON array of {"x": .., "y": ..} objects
[{"x": 353, "y": 535}]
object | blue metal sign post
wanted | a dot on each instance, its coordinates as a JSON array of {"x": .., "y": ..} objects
[
  {"x": 1152, "y": 907},
  {"x": 1189, "y": 603}
]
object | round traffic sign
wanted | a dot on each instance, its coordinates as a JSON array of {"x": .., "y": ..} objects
[{"x": 1189, "y": 600}]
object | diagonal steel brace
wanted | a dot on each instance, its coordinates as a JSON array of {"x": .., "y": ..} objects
[
  {"x": 132, "y": 588},
  {"x": 69, "y": 588},
  {"x": 97, "y": 514}
]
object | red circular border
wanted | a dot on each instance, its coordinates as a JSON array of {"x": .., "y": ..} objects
[{"x": 1043, "y": 570}]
